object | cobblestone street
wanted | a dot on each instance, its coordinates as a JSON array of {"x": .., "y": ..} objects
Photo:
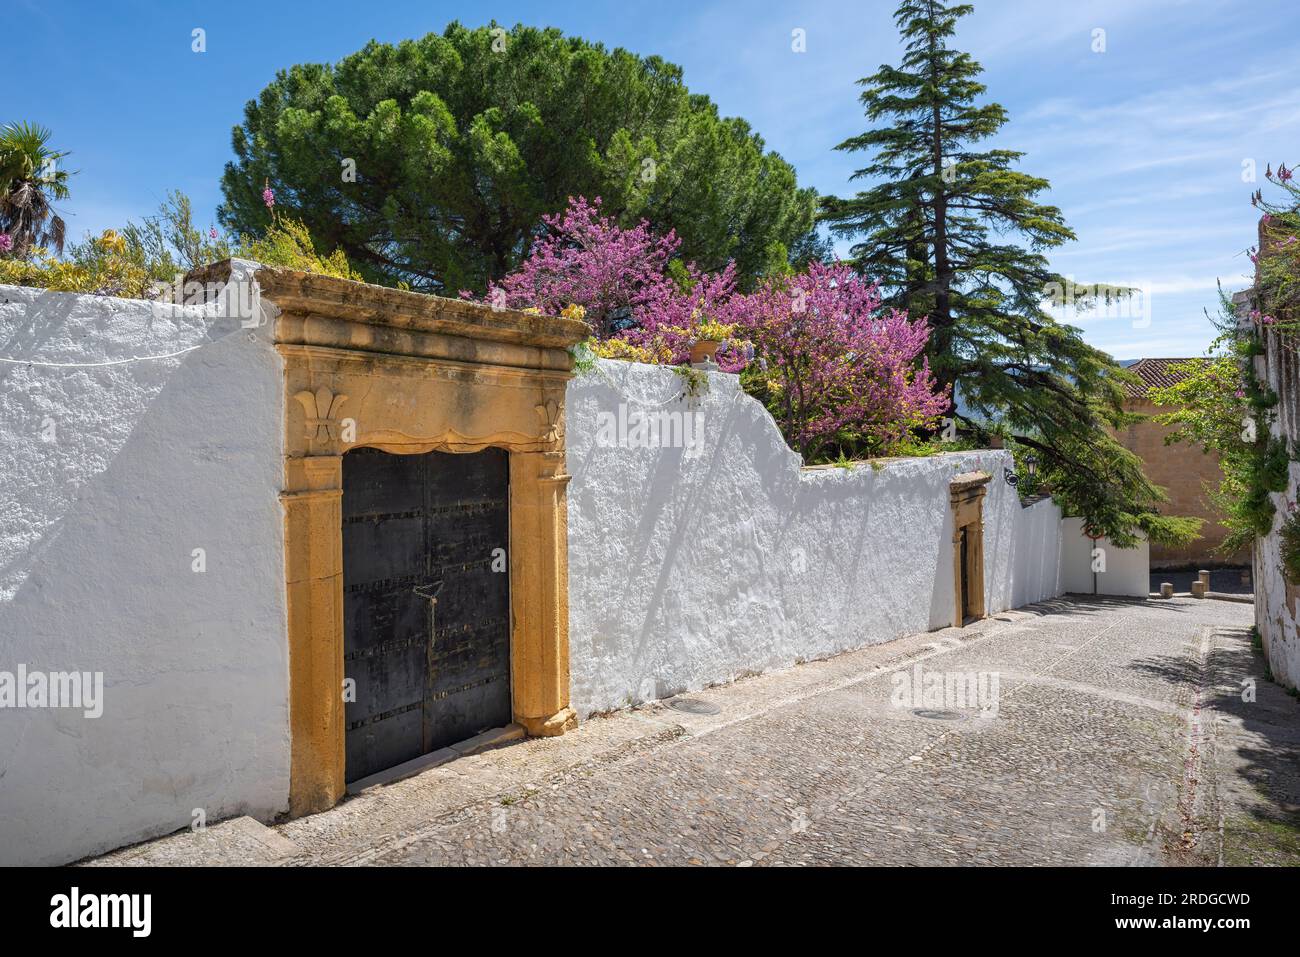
[{"x": 1120, "y": 737}]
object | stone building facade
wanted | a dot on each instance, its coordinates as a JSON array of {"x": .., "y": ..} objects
[{"x": 1183, "y": 469}]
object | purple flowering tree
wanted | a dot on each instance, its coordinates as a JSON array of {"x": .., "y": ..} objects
[
  {"x": 838, "y": 370},
  {"x": 622, "y": 280},
  {"x": 586, "y": 259},
  {"x": 832, "y": 367}
]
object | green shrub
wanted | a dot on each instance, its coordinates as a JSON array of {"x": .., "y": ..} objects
[
  {"x": 288, "y": 243},
  {"x": 161, "y": 249},
  {"x": 1289, "y": 541},
  {"x": 100, "y": 266}
]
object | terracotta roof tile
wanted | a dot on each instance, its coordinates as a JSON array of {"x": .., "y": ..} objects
[{"x": 1155, "y": 373}]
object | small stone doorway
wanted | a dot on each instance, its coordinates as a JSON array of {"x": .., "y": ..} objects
[{"x": 966, "y": 493}]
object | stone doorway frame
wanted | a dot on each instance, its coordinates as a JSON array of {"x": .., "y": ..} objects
[
  {"x": 966, "y": 495},
  {"x": 368, "y": 366}
]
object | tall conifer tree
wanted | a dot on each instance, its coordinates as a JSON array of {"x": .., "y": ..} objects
[{"x": 954, "y": 233}]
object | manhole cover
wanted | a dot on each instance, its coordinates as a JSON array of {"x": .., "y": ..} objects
[
  {"x": 938, "y": 715},
  {"x": 693, "y": 706}
]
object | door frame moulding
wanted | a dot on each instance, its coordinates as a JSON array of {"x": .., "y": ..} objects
[
  {"x": 368, "y": 366},
  {"x": 966, "y": 493}
]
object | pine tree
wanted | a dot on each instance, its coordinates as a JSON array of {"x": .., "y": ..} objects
[
  {"x": 955, "y": 233},
  {"x": 432, "y": 162}
]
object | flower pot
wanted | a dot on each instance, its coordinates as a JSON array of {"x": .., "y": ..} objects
[{"x": 704, "y": 350}]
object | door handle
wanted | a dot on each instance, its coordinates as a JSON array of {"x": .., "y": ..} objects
[{"x": 428, "y": 592}]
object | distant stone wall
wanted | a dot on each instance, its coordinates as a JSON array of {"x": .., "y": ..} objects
[
  {"x": 714, "y": 554},
  {"x": 1184, "y": 471}
]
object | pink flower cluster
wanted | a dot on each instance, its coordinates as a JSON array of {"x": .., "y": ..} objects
[
  {"x": 842, "y": 364},
  {"x": 832, "y": 360},
  {"x": 621, "y": 278}
]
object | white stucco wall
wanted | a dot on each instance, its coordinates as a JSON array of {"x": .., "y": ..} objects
[
  {"x": 115, "y": 468},
  {"x": 1275, "y": 611},
  {"x": 1034, "y": 567},
  {"x": 1127, "y": 571},
  {"x": 687, "y": 570}
]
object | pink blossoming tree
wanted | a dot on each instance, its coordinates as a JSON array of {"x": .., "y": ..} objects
[
  {"x": 586, "y": 259},
  {"x": 623, "y": 280},
  {"x": 837, "y": 368},
  {"x": 831, "y": 367}
]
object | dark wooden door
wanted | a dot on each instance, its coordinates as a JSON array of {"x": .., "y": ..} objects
[
  {"x": 964, "y": 565},
  {"x": 426, "y": 602}
]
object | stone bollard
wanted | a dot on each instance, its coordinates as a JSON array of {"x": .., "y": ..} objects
[
  {"x": 1166, "y": 589},
  {"x": 1198, "y": 589},
  {"x": 1204, "y": 577}
]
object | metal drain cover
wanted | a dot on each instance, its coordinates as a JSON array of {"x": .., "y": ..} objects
[
  {"x": 694, "y": 706},
  {"x": 938, "y": 715}
]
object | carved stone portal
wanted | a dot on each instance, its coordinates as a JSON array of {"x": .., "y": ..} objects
[
  {"x": 966, "y": 492},
  {"x": 415, "y": 374}
]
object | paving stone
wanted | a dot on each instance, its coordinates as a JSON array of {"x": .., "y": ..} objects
[{"x": 1104, "y": 706}]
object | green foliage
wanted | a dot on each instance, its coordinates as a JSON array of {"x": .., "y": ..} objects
[
  {"x": 1289, "y": 544},
  {"x": 1277, "y": 268},
  {"x": 1224, "y": 407},
  {"x": 288, "y": 243},
  {"x": 99, "y": 266},
  {"x": 922, "y": 448},
  {"x": 461, "y": 142},
  {"x": 584, "y": 360},
  {"x": 1220, "y": 405},
  {"x": 31, "y": 181},
  {"x": 938, "y": 231},
  {"x": 161, "y": 250},
  {"x": 168, "y": 244},
  {"x": 695, "y": 382}
]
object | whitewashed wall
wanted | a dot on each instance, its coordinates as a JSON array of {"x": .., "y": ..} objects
[
  {"x": 113, "y": 468},
  {"x": 131, "y": 435},
  {"x": 690, "y": 569},
  {"x": 1275, "y": 612},
  {"x": 1127, "y": 571}
]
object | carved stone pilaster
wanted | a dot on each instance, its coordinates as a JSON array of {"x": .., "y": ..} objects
[{"x": 415, "y": 374}]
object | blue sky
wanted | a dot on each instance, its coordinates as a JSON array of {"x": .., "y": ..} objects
[{"x": 1144, "y": 143}]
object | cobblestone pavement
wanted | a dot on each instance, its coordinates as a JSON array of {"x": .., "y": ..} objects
[{"x": 1120, "y": 737}]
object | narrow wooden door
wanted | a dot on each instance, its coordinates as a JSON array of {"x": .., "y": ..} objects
[
  {"x": 426, "y": 602},
  {"x": 964, "y": 566}
]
